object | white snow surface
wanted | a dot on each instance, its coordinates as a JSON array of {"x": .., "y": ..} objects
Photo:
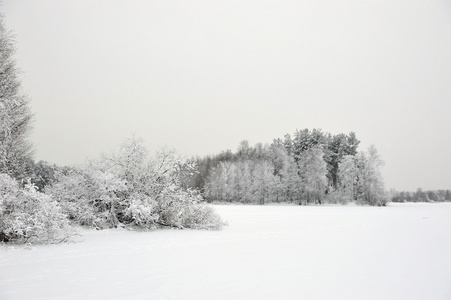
[{"x": 402, "y": 251}]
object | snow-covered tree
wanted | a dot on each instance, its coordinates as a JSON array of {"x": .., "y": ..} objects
[
  {"x": 312, "y": 168},
  {"x": 288, "y": 143},
  {"x": 244, "y": 150},
  {"x": 232, "y": 186},
  {"x": 291, "y": 182},
  {"x": 306, "y": 139},
  {"x": 347, "y": 177},
  {"x": 288, "y": 183},
  {"x": 15, "y": 115},
  {"x": 29, "y": 216},
  {"x": 244, "y": 181},
  {"x": 263, "y": 183},
  {"x": 370, "y": 184},
  {"x": 339, "y": 146}
]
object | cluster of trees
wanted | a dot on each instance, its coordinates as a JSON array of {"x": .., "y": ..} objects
[
  {"x": 40, "y": 203},
  {"x": 311, "y": 167},
  {"x": 272, "y": 178},
  {"x": 133, "y": 189},
  {"x": 422, "y": 196},
  {"x": 128, "y": 189}
]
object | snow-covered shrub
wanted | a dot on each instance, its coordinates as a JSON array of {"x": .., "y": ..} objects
[
  {"x": 154, "y": 195},
  {"x": 27, "y": 215},
  {"x": 140, "y": 211},
  {"x": 134, "y": 190},
  {"x": 199, "y": 215},
  {"x": 186, "y": 209},
  {"x": 89, "y": 196}
]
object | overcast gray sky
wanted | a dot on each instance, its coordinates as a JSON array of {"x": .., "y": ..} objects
[{"x": 203, "y": 75}]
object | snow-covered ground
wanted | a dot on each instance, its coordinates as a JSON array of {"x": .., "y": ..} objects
[{"x": 267, "y": 252}]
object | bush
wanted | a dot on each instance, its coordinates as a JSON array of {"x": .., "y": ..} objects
[
  {"x": 28, "y": 216},
  {"x": 202, "y": 216},
  {"x": 134, "y": 190},
  {"x": 89, "y": 197},
  {"x": 186, "y": 209},
  {"x": 141, "y": 211}
]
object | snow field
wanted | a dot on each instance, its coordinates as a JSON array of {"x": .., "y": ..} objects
[{"x": 267, "y": 252}]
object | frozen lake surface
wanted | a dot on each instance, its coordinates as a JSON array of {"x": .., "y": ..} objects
[{"x": 402, "y": 251}]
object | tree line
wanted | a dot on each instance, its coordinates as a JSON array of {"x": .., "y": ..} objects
[
  {"x": 421, "y": 196},
  {"x": 310, "y": 167}
]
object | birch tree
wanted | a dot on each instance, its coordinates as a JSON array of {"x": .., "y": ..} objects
[
  {"x": 370, "y": 184},
  {"x": 347, "y": 177},
  {"x": 313, "y": 171}
]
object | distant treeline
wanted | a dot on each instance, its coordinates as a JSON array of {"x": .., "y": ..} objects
[
  {"x": 310, "y": 167},
  {"x": 422, "y": 196}
]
